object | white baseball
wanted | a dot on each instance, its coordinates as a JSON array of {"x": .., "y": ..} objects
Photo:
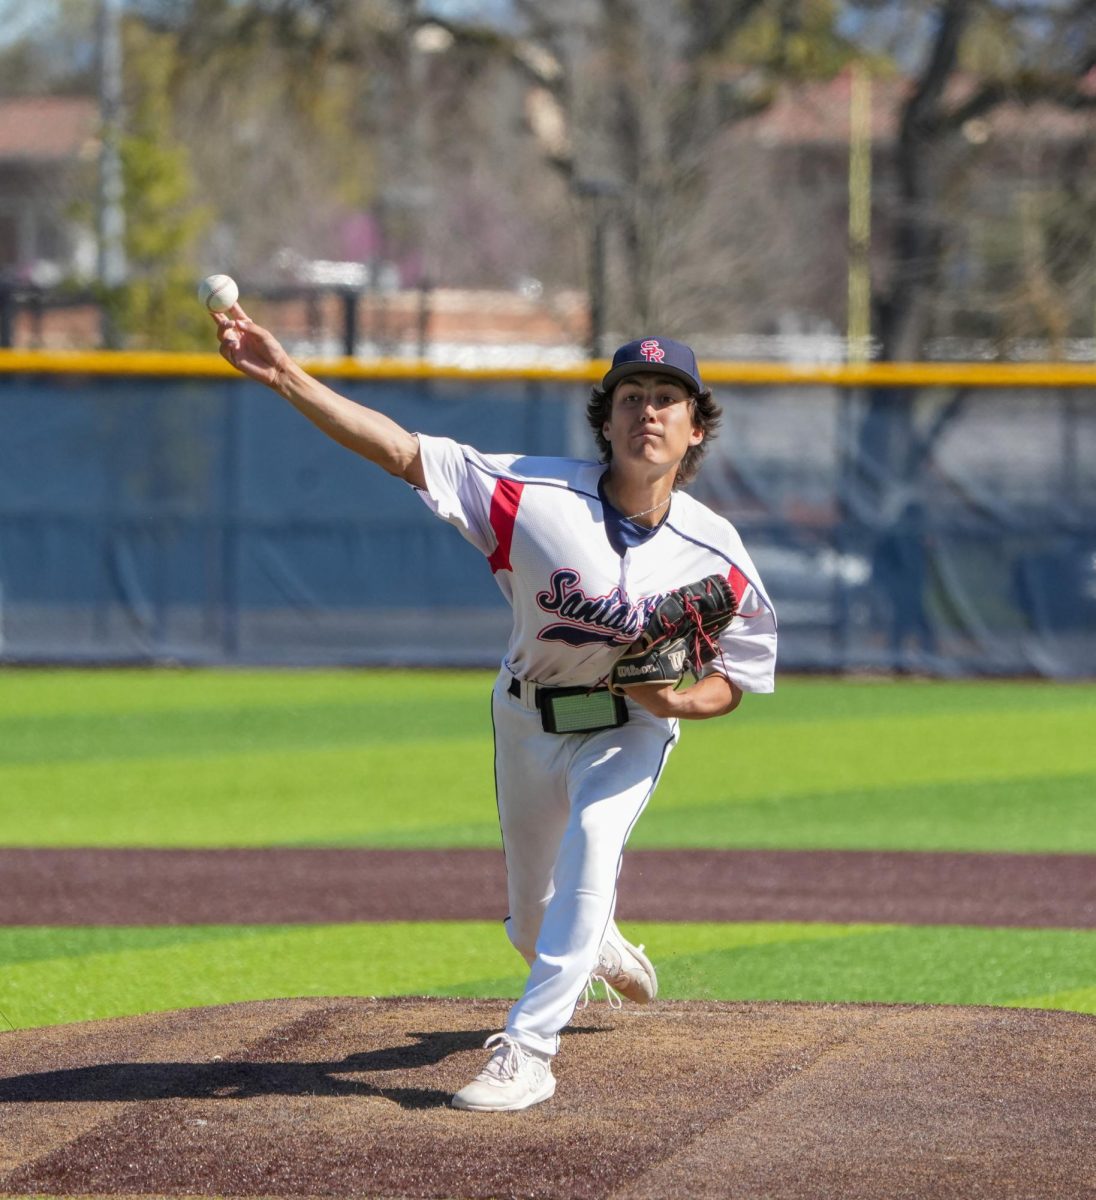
[{"x": 218, "y": 292}]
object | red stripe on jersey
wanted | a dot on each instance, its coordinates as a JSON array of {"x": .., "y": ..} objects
[
  {"x": 504, "y": 512},
  {"x": 739, "y": 583}
]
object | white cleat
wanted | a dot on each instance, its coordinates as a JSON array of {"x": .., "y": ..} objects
[
  {"x": 625, "y": 968},
  {"x": 514, "y": 1078}
]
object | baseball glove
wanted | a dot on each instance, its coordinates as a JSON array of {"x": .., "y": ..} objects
[{"x": 680, "y": 635}]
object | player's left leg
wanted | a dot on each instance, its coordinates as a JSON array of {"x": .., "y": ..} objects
[{"x": 533, "y": 808}]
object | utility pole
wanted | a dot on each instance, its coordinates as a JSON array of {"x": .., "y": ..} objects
[
  {"x": 112, "y": 268},
  {"x": 601, "y": 193},
  {"x": 858, "y": 336}
]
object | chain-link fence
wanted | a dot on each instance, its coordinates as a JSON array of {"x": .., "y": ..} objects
[{"x": 196, "y": 518}]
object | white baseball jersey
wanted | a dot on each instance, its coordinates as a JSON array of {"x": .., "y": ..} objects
[
  {"x": 581, "y": 581},
  {"x": 577, "y": 602}
]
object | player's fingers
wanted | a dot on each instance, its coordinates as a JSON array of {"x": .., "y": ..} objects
[
  {"x": 230, "y": 343},
  {"x": 237, "y": 313}
]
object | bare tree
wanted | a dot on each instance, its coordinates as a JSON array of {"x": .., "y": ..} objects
[
  {"x": 1047, "y": 54},
  {"x": 583, "y": 140},
  {"x": 629, "y": 99}
]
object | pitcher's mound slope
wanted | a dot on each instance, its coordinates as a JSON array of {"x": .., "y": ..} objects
[{"x": 349, "y": 1097}]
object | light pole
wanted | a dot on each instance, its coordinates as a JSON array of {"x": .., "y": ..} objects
[
  {"x": 111, "y": 214},
  {"x": 858, "y": 334}
]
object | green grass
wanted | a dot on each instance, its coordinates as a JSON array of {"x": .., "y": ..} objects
[
  {"x": 404, "y": 759},
  {"x": 191, "y": 758},
  {"x": 51, "y": 976}
]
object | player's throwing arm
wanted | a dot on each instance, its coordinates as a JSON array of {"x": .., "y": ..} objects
[{"x": 256, "y": 353}]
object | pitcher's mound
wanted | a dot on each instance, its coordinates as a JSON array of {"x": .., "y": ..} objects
[{"x": 349, "y": 1097}]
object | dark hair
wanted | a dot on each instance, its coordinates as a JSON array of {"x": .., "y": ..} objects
[{"x": 706, "y": 417}]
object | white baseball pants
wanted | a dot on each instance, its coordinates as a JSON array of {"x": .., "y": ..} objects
[{"x": 567, "y": 805}]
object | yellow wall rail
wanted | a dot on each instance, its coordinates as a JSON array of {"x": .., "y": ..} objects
[{"x": 848, "y": 375}]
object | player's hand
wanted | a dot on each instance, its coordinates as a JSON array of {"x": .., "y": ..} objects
[{"x": 251, "y": 349}]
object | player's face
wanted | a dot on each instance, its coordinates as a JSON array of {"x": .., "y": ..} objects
[{"x": 651, "y": 420}]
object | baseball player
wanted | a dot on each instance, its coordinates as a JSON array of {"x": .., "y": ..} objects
[{"x": 586, "y": 553}]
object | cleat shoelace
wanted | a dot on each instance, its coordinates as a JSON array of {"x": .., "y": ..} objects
[
  {"x": 612, "y": 996},
  {"x": 507, "y": 1059}
]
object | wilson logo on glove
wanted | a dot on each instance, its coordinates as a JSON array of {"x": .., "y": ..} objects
[{"x": 680, "y": 634}]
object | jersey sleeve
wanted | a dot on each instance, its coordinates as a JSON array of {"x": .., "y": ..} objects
[
  {"x": 748, "y": 645},
  {"x": 460, "y": 485}
]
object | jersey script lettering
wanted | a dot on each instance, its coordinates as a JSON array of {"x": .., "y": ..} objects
[{"x": 609, "y": 618}]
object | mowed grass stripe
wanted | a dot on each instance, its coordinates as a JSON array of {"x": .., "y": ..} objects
[
  {"x": 436, "y": 792},
  {"x": 222, "y": 731},
  {"x": 738, "y": 761},
  {"x": 382, "y": 759},
  {"x": 1027, "y": 815},
  {"x": 64, "y": 716},
  {"x": 126, "y": 971},
  {"x": 441, "y": 796},
  {"x": 102, "y": 973},
  {"x": 1072, "y": 1000},
  {"x": 374, "y": 692},
  {"x": 130, "y": 693}
]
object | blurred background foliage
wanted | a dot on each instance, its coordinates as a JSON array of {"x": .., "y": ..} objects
[{"x": 682, "y": 165}]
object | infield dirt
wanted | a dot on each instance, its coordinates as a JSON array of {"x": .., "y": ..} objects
[
  {"x": 271, "y": 886},
  {"x": 349, "y": 1097}
]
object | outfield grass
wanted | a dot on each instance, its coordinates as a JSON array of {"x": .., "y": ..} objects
[
  {"x": 51, "y": 976},
  {"x": 399, "y": 759},
  {"x": 311, "y": 758}
]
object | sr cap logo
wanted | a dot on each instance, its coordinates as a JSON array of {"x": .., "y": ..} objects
[{"x": 654, "y": 355}]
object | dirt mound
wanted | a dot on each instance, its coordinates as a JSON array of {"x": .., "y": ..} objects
[{"x": 349, "y": 1097}]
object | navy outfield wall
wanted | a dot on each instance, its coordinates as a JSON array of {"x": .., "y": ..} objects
[{"x": 201, "y": 520}]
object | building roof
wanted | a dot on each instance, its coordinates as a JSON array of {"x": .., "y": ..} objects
[
  {"x": 47, "y": 128},
  {"x": 818, "y": 113}
]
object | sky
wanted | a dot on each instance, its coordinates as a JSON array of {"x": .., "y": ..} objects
[
  {"x": 464, "y": 10},
  {"x": 18, "y": 17}
]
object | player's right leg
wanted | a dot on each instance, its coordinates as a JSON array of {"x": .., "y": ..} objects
[{"x": 533, "y": 808}]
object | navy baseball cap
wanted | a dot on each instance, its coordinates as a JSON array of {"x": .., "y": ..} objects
[{"x": 657, "y": 356}]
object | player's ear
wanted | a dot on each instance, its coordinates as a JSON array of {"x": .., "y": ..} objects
[{"x": 697, "y": 435}]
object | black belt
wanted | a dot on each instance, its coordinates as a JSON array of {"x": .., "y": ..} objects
[
  {"x": 575, "y": 709},
  {"x": 515, "y": 690},
  {"x": 542, "y": 693}
]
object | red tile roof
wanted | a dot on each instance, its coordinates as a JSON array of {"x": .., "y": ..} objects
[{"x": 47, "y": 128}]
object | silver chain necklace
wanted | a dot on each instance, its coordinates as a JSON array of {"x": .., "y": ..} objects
[{"x": 653, "y": 508}]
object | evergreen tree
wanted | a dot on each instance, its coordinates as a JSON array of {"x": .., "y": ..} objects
[{"x": 156, "y": 307}]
